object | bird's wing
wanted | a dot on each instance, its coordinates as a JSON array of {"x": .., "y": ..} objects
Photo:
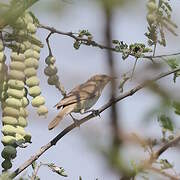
[
  {"x": 65, "y": 111},
  {"x": 79, "y": 93}
]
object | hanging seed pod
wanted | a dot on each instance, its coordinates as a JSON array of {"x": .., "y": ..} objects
[
  {"x": 32, "y": 81},
  {"x": 32, "y": 55},
  {"x": 51, "y": 72},
  {"x": 6, "y": 164},
  {"x": 9, "y": 140},
  {"x": 8, "y": 130},
  {"x": 30, "y": 72},
  {"x": 22, "y": 121},
  {"x": 9, "y": 120},
  {"x": 16, "y": 84},
  {"x": 38, "y": 101},
  {"x": 50, "y": 60},
  {"x": 9, "y": 152},
  {"x": 10, "y": 111},
  {"x": 13, "y": 96},
  {"x": 34, "y": 91},
  {"x": 42, "y": 110}
]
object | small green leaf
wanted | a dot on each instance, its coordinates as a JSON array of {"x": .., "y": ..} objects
[
  {"x": 76, "y": 44},
  {"x": 57, "y": 169},
  {"x": 173, "y": 63},
  {"x": 115, "y": 41},
  {"x": 165, "y": 122},
  {"x": 165, "y": 164},
  {"x": 176, "y": 106},
  {"x": 34, "y": 164}
]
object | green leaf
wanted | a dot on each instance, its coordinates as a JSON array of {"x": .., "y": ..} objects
[
  {"x": 176, "y": 106},
  {"x": 57, "y": 169},
  {"x": 115, "y": 41},
  {"x": 165, "y": 122},
  {"x": 34, "y": 164},
  {"x": 173, "y": 63},
  {"x": 35, "y": 19}
]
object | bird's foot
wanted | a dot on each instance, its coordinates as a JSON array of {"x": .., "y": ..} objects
[
  {"x": 76, "y": 121},
  {"x": 93, "y": 111},
  {"x": 96, "y": 112}
]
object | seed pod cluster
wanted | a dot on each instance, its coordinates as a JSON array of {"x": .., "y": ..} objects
[
  {"x": 51, "y": 71},
  {"x": 32, "y": 55},
  {"x": 14, "y": 112},
  {"x": 22, "y": 74}
]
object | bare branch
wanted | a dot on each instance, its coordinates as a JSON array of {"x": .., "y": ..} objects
[
  {"x": 34, "y": 176},
  {"x": 53, "y": 142},
  {"x": 47, "y": 41},
  {"x": 163, "y": 55}
]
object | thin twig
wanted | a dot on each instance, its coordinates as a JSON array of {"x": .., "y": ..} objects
[
  {"x": 166, "y": 146},
  {"x": 154, "y": 50},
  {"x": 47, "y": 41},
  {"x": 147, "y": 164},
  {"x": 53, "y": 142},
  {"x": 159, "y": 171},
  {"x": 36, "y": 171},
  {"x": 134, "y": 68},
  {"x": 163, "y": 55}
]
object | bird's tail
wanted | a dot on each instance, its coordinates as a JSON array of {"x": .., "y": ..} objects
[{"x": 65, "y": 111}]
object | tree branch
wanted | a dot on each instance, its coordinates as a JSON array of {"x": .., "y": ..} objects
[
  {"x": 94, "y": 43},
  {"x": 70, "y": 34},
  {"x": 147, "y": 164},
  {"x": 53, "y": 142}
]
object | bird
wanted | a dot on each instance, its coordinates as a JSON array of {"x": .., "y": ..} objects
[{"x": 81, "y": 98}]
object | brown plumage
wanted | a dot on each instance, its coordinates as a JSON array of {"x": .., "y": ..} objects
[{"x": 81, "y": 98}]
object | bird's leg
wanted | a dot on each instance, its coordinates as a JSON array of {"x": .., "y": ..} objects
[
  {"x": 93, "y": 111},
  {"x": 76, "y": 121}
]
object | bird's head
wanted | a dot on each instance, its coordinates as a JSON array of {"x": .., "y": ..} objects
[{"x": 102, "y": 79}]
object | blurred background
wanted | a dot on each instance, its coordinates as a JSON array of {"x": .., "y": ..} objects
[{"x": 80, "y": 152}]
